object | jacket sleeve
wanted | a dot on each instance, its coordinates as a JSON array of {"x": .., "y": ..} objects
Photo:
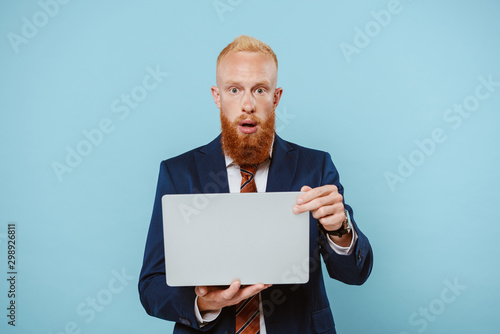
[
  {"x": 356, "y": 267},
  {"x": 158, "y": 299}
]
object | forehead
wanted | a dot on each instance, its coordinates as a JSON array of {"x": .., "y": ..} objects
[{"x": 247, "y": 66}]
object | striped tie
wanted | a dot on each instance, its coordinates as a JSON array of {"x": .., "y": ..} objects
[
  {"x": 247, "y": 179},
  {"x": 247, "y": 311},
  {"x": 247, "y": 316}
]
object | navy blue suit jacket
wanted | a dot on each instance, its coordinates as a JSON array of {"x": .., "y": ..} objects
[{"x": 300, "y": 308}]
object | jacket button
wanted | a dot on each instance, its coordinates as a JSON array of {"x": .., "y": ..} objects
[
  {"x": 360, "y": 256},
  {"x": 185, "y": 321}
]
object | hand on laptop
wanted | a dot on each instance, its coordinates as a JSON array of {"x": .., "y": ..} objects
[
  {"x": 326, "y": 205},
  {"x": 212, "y": 298}
]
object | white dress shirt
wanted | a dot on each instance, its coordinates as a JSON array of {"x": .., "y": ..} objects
[{"x": 234, "y": 179}]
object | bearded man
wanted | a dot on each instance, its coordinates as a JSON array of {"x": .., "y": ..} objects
[{"x": 247, "y": 96}]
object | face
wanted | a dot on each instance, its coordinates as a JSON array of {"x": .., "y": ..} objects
[{"x": 247, "y": 96}]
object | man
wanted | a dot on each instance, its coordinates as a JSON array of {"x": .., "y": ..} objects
[{"x": 247, "y": 96}]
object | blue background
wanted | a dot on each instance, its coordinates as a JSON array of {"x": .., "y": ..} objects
[{"x": 76, "y": 232}]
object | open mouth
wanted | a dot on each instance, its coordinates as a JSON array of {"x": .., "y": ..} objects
[
  {"x": 247, "y": 126},
  {"x": 248, "y": 123}
]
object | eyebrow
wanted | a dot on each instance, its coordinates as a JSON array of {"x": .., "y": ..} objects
[{"x": 260, "y": 83}]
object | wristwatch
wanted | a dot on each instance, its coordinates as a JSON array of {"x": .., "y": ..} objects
[{"x": 344, "y": 229}]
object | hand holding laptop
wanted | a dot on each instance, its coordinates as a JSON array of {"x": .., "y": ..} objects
[
  {"x": 213, "y": 298},
  {"x": 325, "y": 204}
]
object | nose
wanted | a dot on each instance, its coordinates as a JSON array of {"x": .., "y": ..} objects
[{"x": 248, "y": 103}]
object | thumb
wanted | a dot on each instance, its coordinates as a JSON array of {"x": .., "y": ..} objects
[
  {"x": 232, "y": 290},
  {"x": 201, "y": 291}
]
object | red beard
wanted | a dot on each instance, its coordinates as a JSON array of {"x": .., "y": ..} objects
[{"x": 247, "y": 148}]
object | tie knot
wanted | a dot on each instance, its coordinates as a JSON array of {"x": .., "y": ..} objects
[
  {"x": 248, "y": 184},
  {"x": 248, "y": 169}
]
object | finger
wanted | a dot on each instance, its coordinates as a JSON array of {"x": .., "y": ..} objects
[
  {"x": 332, "y": 223},
  {"x": 328, "y": 210},
  {"x": 230, "y": 292},
  {"x": 251, "y": 290},
  {"x": 312, "y": 205},
  {"x": 201, "y": 291},
  {"x": 305, "y": 189},
  {"x": 323, "y": 211},
  {"x": 333, "y": 198},
  {"x": 316, "y": 192},
  {"x": 300, "y": 200}
]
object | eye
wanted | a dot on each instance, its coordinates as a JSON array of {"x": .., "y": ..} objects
[
  {"x": 234, "y": 90},
  {"x": 260, "y": 90}
]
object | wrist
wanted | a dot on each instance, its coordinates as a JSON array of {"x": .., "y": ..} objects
[{"x": 344, "y": 241}]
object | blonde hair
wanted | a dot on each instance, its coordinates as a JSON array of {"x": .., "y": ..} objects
[{"x": 249, "y": 44}]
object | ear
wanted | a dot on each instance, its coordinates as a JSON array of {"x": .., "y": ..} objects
[
  {"x": 277, "y": 96},
  {"x": 216, "y": 95}
]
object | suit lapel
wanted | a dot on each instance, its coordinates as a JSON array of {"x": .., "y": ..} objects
[
  {"x": 283, "y": 166},
  {"x": 211, "y": 168}
]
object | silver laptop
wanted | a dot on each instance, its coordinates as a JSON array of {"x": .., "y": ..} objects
[{"x": 214, "y": 239}]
